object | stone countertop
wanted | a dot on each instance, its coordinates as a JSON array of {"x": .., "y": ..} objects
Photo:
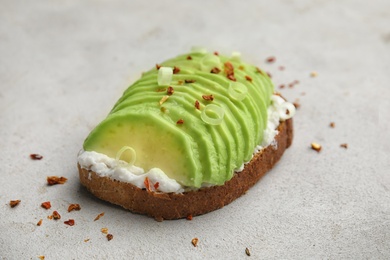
[{"x": 63, "y": 65}]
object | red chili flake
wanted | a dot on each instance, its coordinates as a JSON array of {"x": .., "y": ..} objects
[
  {"x": 332, "y": 124},
  {"x": 46, "y": 205},
  {"x": 180, "y": 122},
  {"x": 35, "y": 156},
  {"x": 229, "y": 70},
  {"x": 189, "y": 80},
  {"x": 197, "y": 104},
  {"x": 147, "y": 184},
  {"x": 170, "y": 90},
  {"x": 156, "y": 185},
  {"x": 99, "y": 216},
  {"x": 189, "y": 217},
  {"x": 189, "y": 57},
  {"x": 216, "y": 53},
  {"x": 56, "y": 215},
  {"x": 176, "y": 70},
  {"x": 271, "y": 59},
  {"x": 39, "y": 222},
  {"x": 281, "y": 67},
  {"x": 208, "y": 97},
  {"x": 292, "y": 84},
  {"x": 269, "y": 75},
  {"x": 109, "y": 237},
  {"x": 215, "y": 70},
  {"x": 248, "y": 78},
  {"x": 241, "y": 67},
  {"x": 74, "y": 207},
  {"x": 194, "y": 241},
  {"x": 281, "y": 86},
  {"x": 14, "y": 203},
  {"x": 53, "y": 180},
  {"x": 69, "y": 222},
  {"x": 158, "y": 66},
  {"x": 345, "y": 145}
]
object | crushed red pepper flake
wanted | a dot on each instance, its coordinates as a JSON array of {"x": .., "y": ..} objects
[
  {"x": 46, "y": 205},
  {"x": 35, "y": 156},
  {"x": 316, "y": 147},
  {"x": 158, "y": 66},
  {"x": 332, "y": 124},
  {"x": 99, "y": 216},
  {"x": 215, "y": 70},
  {"x": 53, "y": 180},
  {"x": 281, "y": 86},
  {"x": 156, "y": 185},
  {"x": 147, "y": 184},
  {"x": 189, "y": 57},
  {"x": 195, "y": 241},
  {"x": 74, "y": 207},
  {"x": 50, "y": 217},
  {"x": 208, "y": 97},
  {"x": 56, "y": 215},
  {"x": 248, "y": 78},
  {"x": 345, "y": 145},
  {"x": 229, "y": 71},
  {"x": 270, "y": 59},
  {"x": 14, "y": 203},
  {"x": 292, "y": 84},
  {"x": 216, "y": 53},
  {"x": 247, "y": 252},
  {"x": 189, "y": 217},
  {"x": 109, "y": 237},
  {"x": 104, "y": 230},
  {"x": 197, "y": 104},
  {"x": 170, "y": 90},
  {"x": 176, "y": 70},
  {"x": 189, "y": 80},
  {"x": 69, "y": 222},
  {"x": 180, "y": 122},
  {"x": 39, "y": 222}
]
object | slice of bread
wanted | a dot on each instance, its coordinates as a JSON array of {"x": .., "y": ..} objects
[{"x": 192, "y": 203}]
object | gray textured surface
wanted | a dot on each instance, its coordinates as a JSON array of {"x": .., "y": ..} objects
[{"x": 63, "y": 64}]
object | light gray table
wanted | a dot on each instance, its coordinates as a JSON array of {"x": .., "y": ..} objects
[{"x": 63, "y": 64}]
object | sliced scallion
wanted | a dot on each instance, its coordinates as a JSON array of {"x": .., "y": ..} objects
[
  {"x": 164, "y": 76},
  {"x": 210, "y": 62},
  {"x": 212, "y": 114},
  {"x": 132, "y": 155},
  {"x": 237, "y": 91}
]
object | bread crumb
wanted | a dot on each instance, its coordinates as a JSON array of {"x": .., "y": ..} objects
[
  {"x": 332, "y": 124},
  {"x": 247, "y": 252},
  {"x": 39, "y": 222},
  {"x": 313, "y": 74},
  {"x": 194, "y": 241},
  {"x": 345, "y": 145},
  {"x": 99, "y": 216},
  {"x": 316, "y": 147},
  {"x": 14, "y": 203},
  {"x": 104, "y": 230},
  {"x": 109, "y": 237}
]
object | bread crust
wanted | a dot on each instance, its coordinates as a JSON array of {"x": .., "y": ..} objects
[{"x": 192, "y": 203}]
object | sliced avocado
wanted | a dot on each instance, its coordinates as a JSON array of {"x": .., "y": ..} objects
[{"x": 156, "y": 142}]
